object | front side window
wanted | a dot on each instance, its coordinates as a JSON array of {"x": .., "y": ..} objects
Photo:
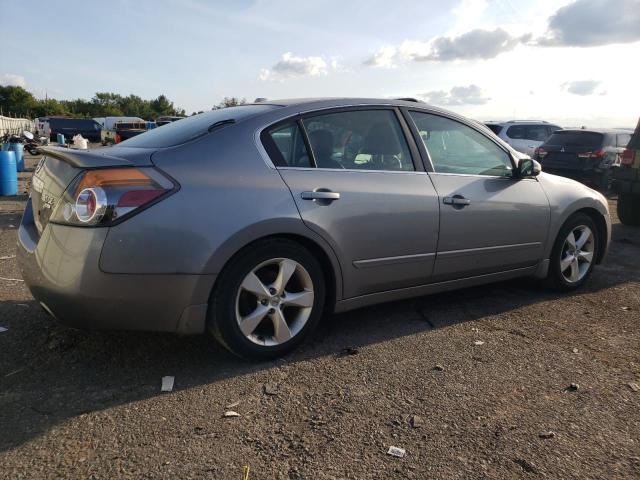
[
  {"x": 456, "y": 148},
  {"x": 359, "y": 139}
]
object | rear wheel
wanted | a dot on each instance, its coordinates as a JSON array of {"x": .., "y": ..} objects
[
  {"x": 574, "y": 253},
  {"x": 268, "y": 300},
  {"x": 629, "y": 209}
]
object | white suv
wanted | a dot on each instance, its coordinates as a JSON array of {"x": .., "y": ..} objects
[{"x": 523, "y": 135}]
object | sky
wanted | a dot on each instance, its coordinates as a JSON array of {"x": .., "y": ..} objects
[{"x": 568, "y": 62}]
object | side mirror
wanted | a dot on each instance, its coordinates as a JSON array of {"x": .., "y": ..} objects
[{"x": 527, "y": 167}]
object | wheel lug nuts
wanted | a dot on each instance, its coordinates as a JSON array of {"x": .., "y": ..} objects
[
  {"x": 272, "y": 291},
  {"x": 264, "y": 301}
]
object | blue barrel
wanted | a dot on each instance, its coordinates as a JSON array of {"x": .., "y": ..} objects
[
  {"x": 8, "y": 173},
  {"x": 60, "y": 138},
  {"x": 5, "y": 147},
  {"x": 19, "y": 149}
]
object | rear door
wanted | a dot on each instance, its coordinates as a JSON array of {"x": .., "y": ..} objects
[
  {"x": 357, "y": 182},
  {"x": 490, "y": 221}
]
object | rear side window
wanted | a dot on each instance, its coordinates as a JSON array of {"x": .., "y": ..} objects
[
  {"x": 623, "y": 139},
  {"x": 516, "y": 132},
  {"x": 494, "y": 128},
  {"x": 538, "y": 133},
  {"x": 359, "y": 140},
  {"x": 285, "y": 145},
  {"x": 176, "y": 133},
  {"x": 566, "y": 138},
  {"x": 456, "y": 148}
]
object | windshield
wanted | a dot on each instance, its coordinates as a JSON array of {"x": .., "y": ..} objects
[
  {"x": 176, "y": 133},
  {"x": 568, "y": 138}
]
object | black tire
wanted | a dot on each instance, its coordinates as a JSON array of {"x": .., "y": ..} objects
[
  {"x": 629, "y": 209},
  {"x": 555, "y": 279},
  {"x": 221, "y": 321}
]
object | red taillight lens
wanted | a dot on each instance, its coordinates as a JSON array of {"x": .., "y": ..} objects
[
  {"x": 118, "y": 138},
  {"x": 540, "y": 152},
  {"x": 628, "y": 156},
  {"x": 594, "y": 154},
  {"x": 101, "y": 197}
]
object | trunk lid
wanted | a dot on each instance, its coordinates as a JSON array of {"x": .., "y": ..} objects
[{"x": 59, "y": 166}]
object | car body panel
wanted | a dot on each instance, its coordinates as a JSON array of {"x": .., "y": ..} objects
[
  {"x": 504, "y": 226},
  {"x": 157, "y": 268}
]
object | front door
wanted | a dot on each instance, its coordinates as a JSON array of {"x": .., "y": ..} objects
[
  {"x": 360, "y": 190},
  {"x": 490, "y": 221}
]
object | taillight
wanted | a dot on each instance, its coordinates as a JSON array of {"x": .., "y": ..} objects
[
  {"x": 595, "y": 154},
  {"x": 118, "y": 138},
  {"x": 104, "y": 197},
  {"x": 627, "y": 157},
  {"x": 540, "y": 152}
]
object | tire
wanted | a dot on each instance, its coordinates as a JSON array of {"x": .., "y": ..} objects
[
  {"x": 234, "y": 300},
  {"x": 629, "y": 209},
  {"x": 560, "y": 276}
]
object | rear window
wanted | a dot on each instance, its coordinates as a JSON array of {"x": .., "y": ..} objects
[
  {"x": 575, "y": 139},
  {"x": 176, "y": 133},
  {"x": 624, "y": 139},
  {"x": 494, "y": 128}
]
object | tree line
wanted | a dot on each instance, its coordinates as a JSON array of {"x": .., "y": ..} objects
[{"x": 18, "y": 102}]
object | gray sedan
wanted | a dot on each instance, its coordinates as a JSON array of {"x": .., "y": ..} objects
[{"x": 252, "y": 221}]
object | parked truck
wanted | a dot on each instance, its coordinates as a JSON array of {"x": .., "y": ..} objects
[{"x": 626, "y": 181}]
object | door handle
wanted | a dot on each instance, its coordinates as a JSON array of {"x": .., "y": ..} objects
[
  {"x": 456, "y": 200},
  {"x": 320, "y": 195}
]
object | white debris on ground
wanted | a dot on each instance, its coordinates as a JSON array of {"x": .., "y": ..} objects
[
  {"x": 396, "y": 452},
  {"x": 167, "y": 384},
  {"x": 3, "y": 329}
]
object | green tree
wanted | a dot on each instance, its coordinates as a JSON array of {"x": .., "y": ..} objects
[
  {"x": 229, "y": 102},
  {"x": 16, "y": 101}
]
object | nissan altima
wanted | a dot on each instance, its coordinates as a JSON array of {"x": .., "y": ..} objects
[{"x": 251, "y": 222}]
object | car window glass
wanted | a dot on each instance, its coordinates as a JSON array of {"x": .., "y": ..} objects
[
  {"x": 457, "y": 148},
  {"x": 572, "y": 138},
  {"x": 359, "y": 139},
  {"x": 285, "y": 145},
  {"x": 537, "y": 133},
  {"x": 623, "y": 139},
  {"x": 516, "y": 132}
]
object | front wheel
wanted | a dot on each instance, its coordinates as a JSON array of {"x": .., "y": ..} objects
[
  {"x": 267, "y": 300},
  {"x": 574, "y": 253}
]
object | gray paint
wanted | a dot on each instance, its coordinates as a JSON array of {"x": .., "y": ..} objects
[{"x": 388, "y": 237}]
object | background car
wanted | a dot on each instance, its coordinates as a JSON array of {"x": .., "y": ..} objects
[
  {"x": 252, "y": 221},
  {"x": 69, "y": 127},
  {"x": 627, "y": 181},
  {"x": 586, "y": 155},
  {"x": 523, "y": 135}
]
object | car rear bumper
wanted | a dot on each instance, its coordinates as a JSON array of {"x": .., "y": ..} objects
[{"x": 61, "y": 268}]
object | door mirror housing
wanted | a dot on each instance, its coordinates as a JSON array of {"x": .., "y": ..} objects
[{"x": 527, "y": 168}]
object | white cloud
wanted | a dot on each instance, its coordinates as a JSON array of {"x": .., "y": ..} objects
[
  {"x": 383, "y": 58},
  {"x": 10, "y": 79},
  {"x": 469, "y": 95},
  {"x": 582, "y": 87},
  {"x": 587, "y": 23},
  {"x": 476, "y": 44},
  {"x": 291, "y": 66}
]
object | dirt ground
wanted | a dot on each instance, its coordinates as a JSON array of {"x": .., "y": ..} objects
[{"x": 472, "y": 384}]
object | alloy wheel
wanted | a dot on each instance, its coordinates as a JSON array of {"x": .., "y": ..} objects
[
  {"x": 577, "y": 254},
  {"x": 274, "y": 301}
]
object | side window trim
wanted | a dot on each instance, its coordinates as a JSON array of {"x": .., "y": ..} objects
[
  {"x": 422, "y": 149},
  {"x": 428, "y": 163},
  {"x": 269, "y": 145},
  {"x": 307, "y": 144}
]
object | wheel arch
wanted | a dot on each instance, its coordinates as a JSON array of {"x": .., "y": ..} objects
[
  {"x": 602, "y": 227},
  {"x": 328, "y": 260}
]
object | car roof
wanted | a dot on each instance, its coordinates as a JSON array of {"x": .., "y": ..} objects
[{"x": 596, "y": 130}]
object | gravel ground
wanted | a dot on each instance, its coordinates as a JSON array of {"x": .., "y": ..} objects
[{"x": 472, "y": 384}]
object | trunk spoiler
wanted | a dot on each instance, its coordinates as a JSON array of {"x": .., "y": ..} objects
[{"x": 88, "y": 158}]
